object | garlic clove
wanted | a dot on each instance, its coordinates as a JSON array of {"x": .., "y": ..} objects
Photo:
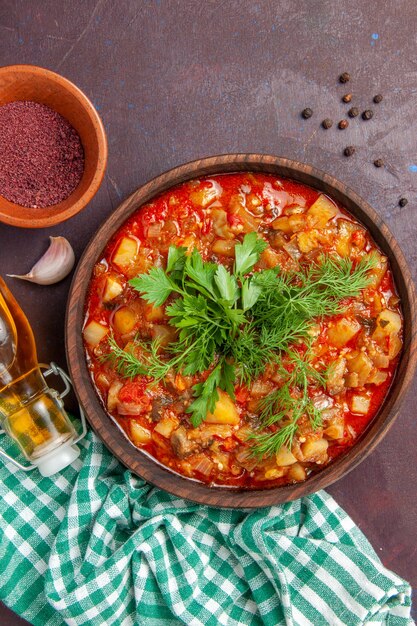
[{"x": 53, "y": 266}]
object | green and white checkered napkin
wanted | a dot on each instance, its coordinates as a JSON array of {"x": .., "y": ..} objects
[{"x": 96, "y": 545}]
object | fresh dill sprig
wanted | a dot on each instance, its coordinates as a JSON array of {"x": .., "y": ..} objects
[
  {"x": 288, "y": 305},
  {"x": 268, "y": 443},
  {"x": 316, "y": 291},
  {"x": 261, "y": 344},
  {"x": 130, "y": 365},
  {"x": 287, "y": 404},
  {"x": 339, "y": 278}
]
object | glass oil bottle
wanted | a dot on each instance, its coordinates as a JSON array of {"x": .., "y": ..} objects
[{"x": 31, "y": 413}]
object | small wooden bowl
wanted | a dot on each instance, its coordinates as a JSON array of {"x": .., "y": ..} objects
[
  {"x": 144, "y": 465},
  {"x": 28, "y": 82}
]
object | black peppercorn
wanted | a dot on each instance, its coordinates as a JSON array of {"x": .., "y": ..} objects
[
  {"x": 343, "y": 124},
  {"x": 344, "y": 78},
  {"x": 347, "y": 97},
  {"x": 327, "y": 123},
  {"x": 307, "y": 113},
  {"x": 353, "y": 112},
  {"x": 366, "y": 115},
  {"x": 378, "y": 98},
  {"x": 349, "y": 150},
  {"x": 402, "y": 202},
  {"x": 378, "y": 163}
]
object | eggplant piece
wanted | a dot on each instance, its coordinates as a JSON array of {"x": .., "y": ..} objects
[
  {"x": 158, "y": 405},
  {"x": 180, "y": 443}
]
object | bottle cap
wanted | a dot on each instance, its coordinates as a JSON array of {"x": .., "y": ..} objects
[{"x": 58, "y": 459}]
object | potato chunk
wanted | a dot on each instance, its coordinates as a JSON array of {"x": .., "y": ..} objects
[
  {"x": 297, "y": 473},
  {"x": 284, "y": 457},
  {"x": 352, "y": 380},
  {"x": 94, "y": 333},
  {"x": 124, "y": 320},
  {"x": 205, "y": 196},
  {"x": 395, "y": 345},
  {"x": 220, "y": 224},
  {"x": 112, "y": 289},
  {"x": 335, "y": 431},
  {"x": 387, "y": 323},
  {"x": 360, "y": 405},
  {"x": 154, "y": 313},
  {"x": 309, "y": 240},
  {"x": 270, "y": 258},
  {"x": 362, "y": 366},
  {"x": 226, "y": 247},
  {"x": 245, "y": 216},
  {"x": 126, "y": 252},
  {"x": 345, "y": 230},
  {"x": 139, "y": 435},
  {"x": 166, "y": 427},
  {"x": 320, "y": 212},
  {"x": 377, "y": 273},
  {"x": 377, "y": 377},
  {"x": 225, "y": 411},
  {"x": 343, "y": 331},
  {"x": 282, "y": 224},
  {"x": 379, "y": 359},
  {"x": 289, "y": 224},
  {"x": 315, "y": 451},
  {"x": 272, "y": 474}
]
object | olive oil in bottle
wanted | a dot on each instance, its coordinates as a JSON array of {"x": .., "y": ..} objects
[{"x": 30, "y": 412}]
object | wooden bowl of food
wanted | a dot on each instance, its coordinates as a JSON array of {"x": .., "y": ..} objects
[
  {"x": 28, "y": 83},
  {"x": 241, "y": 330}
]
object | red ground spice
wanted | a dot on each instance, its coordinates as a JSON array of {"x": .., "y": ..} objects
[{"x": 41, "y": 155}]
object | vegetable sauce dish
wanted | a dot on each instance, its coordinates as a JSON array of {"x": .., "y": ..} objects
[{"x": 240, "y": 330}]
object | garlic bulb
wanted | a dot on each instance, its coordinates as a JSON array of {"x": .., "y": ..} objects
[{"x": 53, "y": 266}]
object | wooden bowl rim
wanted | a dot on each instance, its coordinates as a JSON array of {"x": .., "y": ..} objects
[
  {"x": 148, "y": 468},
  {"x": 58, "y": 216}
]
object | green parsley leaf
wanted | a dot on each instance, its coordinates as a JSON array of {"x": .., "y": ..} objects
[
  {"x": 227, "y": 381},
  {"x": 176, "y": 259},
  {"x": 154, "y": 287},
  {"x": 247, "y": 253},
  {"x": 200, "y": 273},
  {"x": 226, "y": 284},
  {"x": 206, "y": 396},
  {"x": 250, "y": 293}
]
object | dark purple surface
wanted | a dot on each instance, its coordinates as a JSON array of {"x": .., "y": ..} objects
[{"x": 179, "y": 79}]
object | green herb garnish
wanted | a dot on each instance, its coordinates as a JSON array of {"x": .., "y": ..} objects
[
  {"x": 288, "y": 404},
  {"x": 287, "y": 304},
  {"x": 235, "y": 323}
]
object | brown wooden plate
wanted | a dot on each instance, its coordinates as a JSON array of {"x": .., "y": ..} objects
[{"x": 144, "y": 465}]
